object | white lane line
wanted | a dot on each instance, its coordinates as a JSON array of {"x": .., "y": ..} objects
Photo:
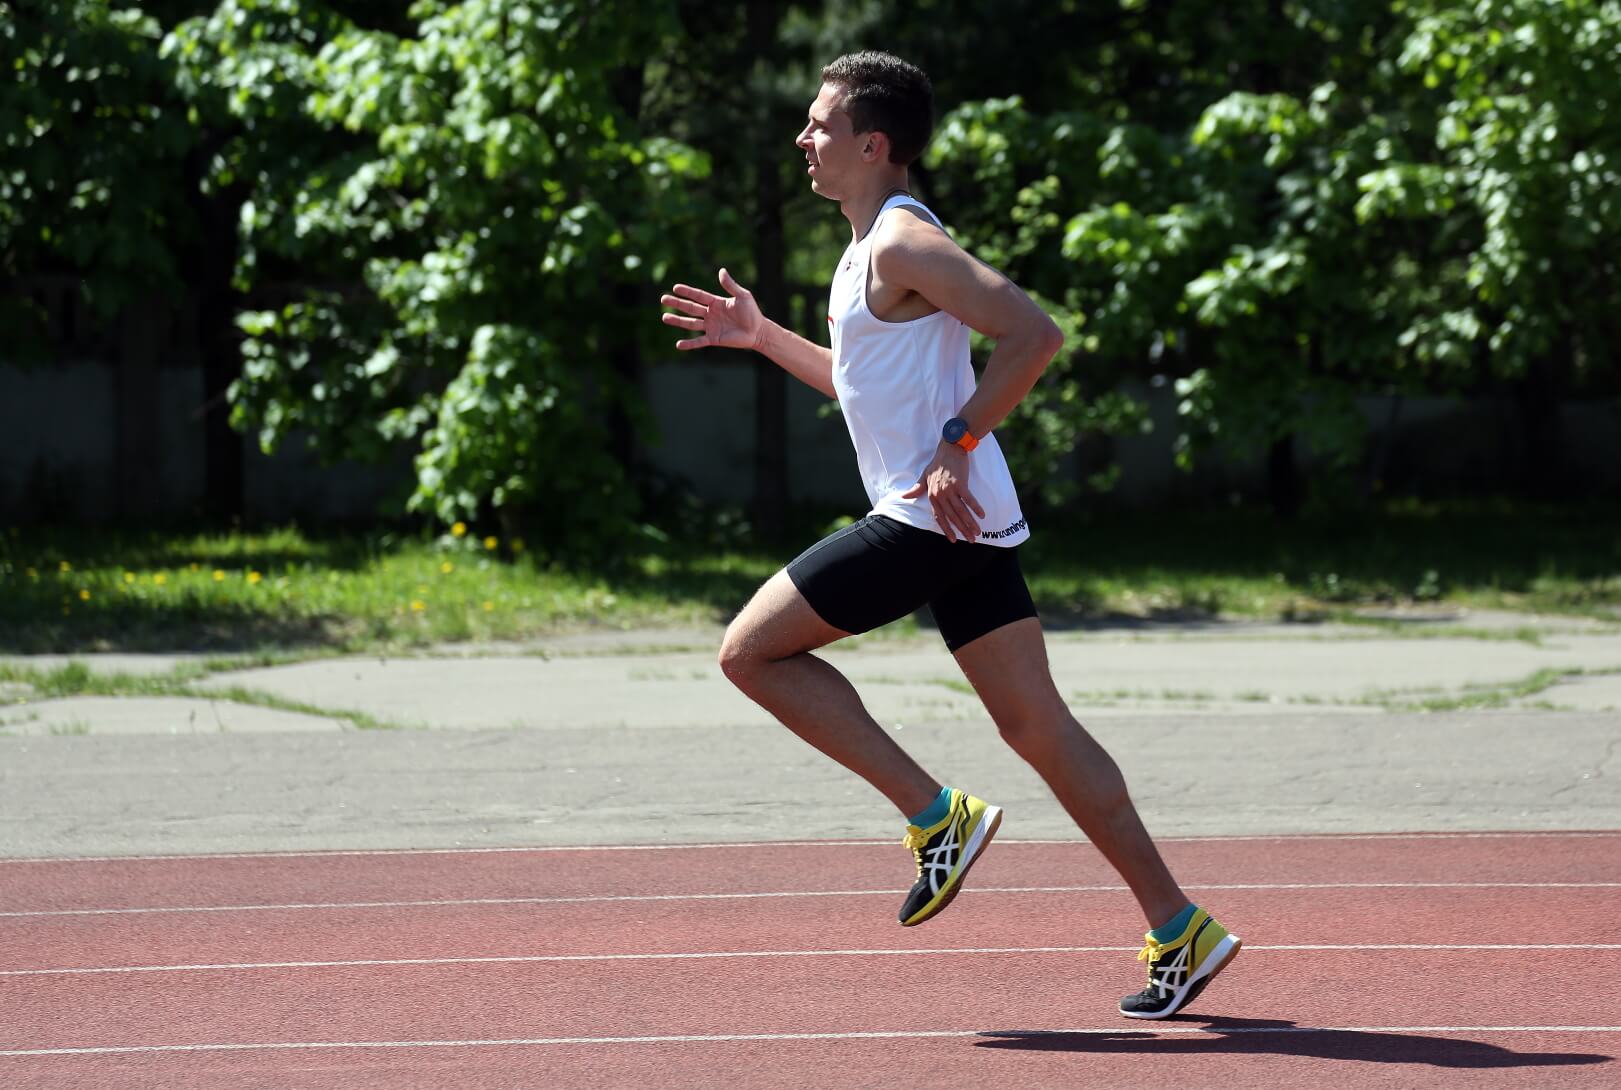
[
  {"x": 1537, "y": 834},
  {"x": 645, "y": 897},
  {"x": 881, "y": 1035},
  {"x": 530, "y": 959}
]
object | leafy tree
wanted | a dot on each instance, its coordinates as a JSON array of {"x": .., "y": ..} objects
[
  {"x": 93, "y": 146},
  {"x": 470, "y": 212},
  {"x": 1377, "y": 201},
  {"x": 1514, "y": 170}
]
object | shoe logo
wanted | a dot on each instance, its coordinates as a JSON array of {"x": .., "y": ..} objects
[
  {"x": 942, "y": 858},
  {"x": 1172, "y": 977}
]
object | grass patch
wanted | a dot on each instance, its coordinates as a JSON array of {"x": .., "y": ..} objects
[
  {"x": 1476, "y": 697},
  {"x": 266, "y": 595},
  {"x": 1562, "y": 561},
  {"x": 263, "y": 598},
  {"x": 78, "y": 679}
]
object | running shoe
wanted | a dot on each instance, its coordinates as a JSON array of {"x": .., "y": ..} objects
[
  {"x": 944, "y": 852},
  {"x": 1179, "y": 970}
]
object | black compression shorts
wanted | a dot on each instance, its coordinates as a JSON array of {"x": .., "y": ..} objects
[{"x": 879, "y": 570}]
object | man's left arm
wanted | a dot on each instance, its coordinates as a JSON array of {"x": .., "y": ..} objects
[{"x": 920, "y": 257}]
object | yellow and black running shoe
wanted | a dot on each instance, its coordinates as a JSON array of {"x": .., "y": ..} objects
[
  {"x": 1179, "y": 970},
  {"x": 945, "y": 851}
]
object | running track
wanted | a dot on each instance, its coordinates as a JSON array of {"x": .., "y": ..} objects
[{"x": 1455, "y": 960}]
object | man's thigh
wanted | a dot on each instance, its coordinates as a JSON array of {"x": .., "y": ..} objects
[
  {"x": 1008, "y": 668},
  {"x": 871, "y": 573},
  {"x": 778, "y": 622},
  {"x": 988, "y": 597}
]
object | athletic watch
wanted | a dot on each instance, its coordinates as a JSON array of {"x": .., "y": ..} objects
[{"x": 956, "y": 432}]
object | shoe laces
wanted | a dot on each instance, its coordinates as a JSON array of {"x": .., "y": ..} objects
[
  {"x": 916, "y": 839},
  {"x": 1150, "y": 954}
]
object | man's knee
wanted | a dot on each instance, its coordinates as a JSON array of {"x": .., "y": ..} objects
[
  {"x": 1028, "y": 733},
  {"x": 1031, "y": 723},
  {"x": 736, "y": 659}
]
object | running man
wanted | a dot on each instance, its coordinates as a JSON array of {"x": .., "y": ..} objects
[{"x": 945, "y": 521}]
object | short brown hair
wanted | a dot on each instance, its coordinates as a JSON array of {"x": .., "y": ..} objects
[{"x": 882, "y": 93}]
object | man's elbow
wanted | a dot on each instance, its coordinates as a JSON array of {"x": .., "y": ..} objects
[{"x": 1050, "y": 339}]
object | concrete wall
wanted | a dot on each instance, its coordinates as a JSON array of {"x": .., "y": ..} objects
[
  {"x": 61, "y": 456},
  {"x": 705, "y": 415}
]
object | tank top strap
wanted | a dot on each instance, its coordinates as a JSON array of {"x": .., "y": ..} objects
[{"x": 900, "y": 199}]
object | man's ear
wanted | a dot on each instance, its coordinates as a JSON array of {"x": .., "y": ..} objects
[{"x": 876, "y": 147}]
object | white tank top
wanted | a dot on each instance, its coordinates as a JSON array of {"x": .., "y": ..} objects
[{"x": 898, "y": 383}]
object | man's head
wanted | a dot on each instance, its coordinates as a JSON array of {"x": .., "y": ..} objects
[
  {"x": 884, "y": 94},
  {"x": 874, "y": 110}
]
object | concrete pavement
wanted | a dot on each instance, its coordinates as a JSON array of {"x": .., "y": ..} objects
[{"x": 634, "y": 738}]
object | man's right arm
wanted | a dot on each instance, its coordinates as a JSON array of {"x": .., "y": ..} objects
[
  {"x": 736, "y": 322},
  {"x": 810, "y": 363}
]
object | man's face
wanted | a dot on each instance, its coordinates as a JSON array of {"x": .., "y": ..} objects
[{"x": 832, "y": 150}]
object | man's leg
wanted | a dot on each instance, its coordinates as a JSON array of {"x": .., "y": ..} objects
[
  {"x": 766, "y": 654},
  {"x": 1008, "y": 669}
]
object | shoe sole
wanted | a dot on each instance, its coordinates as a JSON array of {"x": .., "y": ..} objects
[
  {"x": 977, "y": 841},
  {"x": 1215, "y": 962}
]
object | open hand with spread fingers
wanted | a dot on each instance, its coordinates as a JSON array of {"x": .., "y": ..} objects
[{"x": 722, "y": 321}]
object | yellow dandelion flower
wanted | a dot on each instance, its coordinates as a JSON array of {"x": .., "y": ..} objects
[
  {"x": 219, "y": 576},
  {"x": 446, "y": 568},
  {"x": 492, "y": 543},
  {"x": 254, "y": 578},
  {"x": 418, "y": 605},
  {"x": 459, "y": 530},
  {"x": 129, "y": 577},
  {"x": 489, "y": 607},
  {"x": 159, "y": 578},
  {"x": 84, "y": 596},
  {"x": 65, "y": 566}
]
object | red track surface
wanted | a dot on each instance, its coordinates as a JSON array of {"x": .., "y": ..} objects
[{"x": 478, "y": 970}]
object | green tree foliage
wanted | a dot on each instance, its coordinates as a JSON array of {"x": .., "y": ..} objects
[
  {"x": 1514, "y": 165},
  {"x": 467, "y": 212},
  {"x": 1410, "y": 197},
  {"x": 92, "y": 143},
  {"x": 450, "y": 218}
]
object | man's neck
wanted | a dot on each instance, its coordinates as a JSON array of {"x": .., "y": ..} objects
[{"x": 862, "y": 208}]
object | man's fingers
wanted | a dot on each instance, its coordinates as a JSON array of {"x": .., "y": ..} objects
[
  {"x": 685, "y": 306},
  {"x": 694, "y": 324},
  {"x": 692, "y": 342},
  {"x": 968, "y": 498},
  {"x": 915, "y": 491},
  {"x": 967, "y": 527},
  {"x": 731, "y": 285},
  {"x": 697, "y": 295},
  {"x": 957, "y": 511}
]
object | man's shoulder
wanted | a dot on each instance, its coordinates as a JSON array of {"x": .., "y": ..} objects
[
  {"x": 906, "y": 233},
  {"x": 908, "y": 219}
]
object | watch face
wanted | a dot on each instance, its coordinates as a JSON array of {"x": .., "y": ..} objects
[{"x": 955, "y": 429}]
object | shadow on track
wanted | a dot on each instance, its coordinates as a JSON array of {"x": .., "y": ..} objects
[{"x": 1276, "y": 1037}]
